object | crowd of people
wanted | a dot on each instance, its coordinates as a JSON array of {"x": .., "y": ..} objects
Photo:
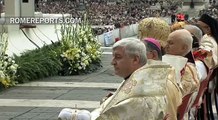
[
  {"x": 212, "y": 11},
  {"x": 100, "y": 30},
  {"x": 160, "y": 71},
  {"x": 106, "y": 13},
  {"x": 102, "y": 12}
]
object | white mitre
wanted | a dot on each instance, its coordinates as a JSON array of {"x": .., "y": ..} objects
[{"x": 74, "y": 114}]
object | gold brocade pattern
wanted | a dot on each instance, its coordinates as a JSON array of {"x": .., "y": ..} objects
[
  {"x": 143, "y": 96},
  {"x": 129, "y": 85},
  {"x": 190, "y": 82},
  {"x": 155, "y": 28}
]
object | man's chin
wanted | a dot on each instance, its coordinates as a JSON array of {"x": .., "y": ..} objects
[{"x": 118, "y": 74}]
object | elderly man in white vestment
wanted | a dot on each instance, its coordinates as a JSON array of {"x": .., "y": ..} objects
[
  {"x": 141, "y": 95},
  {"x": 179, "y": 44}
]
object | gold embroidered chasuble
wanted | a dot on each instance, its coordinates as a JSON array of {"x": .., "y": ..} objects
[
  {"x": 190, "y": 81},
  {"x": 186, "y": 75},
  {"x": 143, "y": 96}
]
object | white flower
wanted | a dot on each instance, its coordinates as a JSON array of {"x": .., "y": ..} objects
[
  {"x": 80, "y": 40},
  {"x": 98, "y": 52},
  {"x": 9, "y": 59},
  {"x": 77, "y": 55},
  {"x": 93, "y": 56},
  {"x": 5, "y": 57},
  {"x": 92, "y": 39},
  {"x": 88, "y": 46},
  {"x": 15, "y": 65},
  {"x": 2, "y": 75},
  {"x": 85, "y": 39},
  {"x": 13, "y": 68},
  {"x": 79, "y": 67},
  {"x": 83, "y": 65},
  {"x": 83, "y": 54},
  {"x": 90, "y": 35},
  {"x": 13, "y": 61},
  {"x": 86, "y": 29},
  {"x": 83, "y": 59},
  {"x": 86, "y": 62},
  {"x": 63, "y": 55},
  {"x": 5, "y": 63},
  {"x": 82, "y": 33},
  {"x": 90, "y": 60}
]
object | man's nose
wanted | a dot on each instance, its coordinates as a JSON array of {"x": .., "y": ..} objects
[{"x": 113, "y": 62}]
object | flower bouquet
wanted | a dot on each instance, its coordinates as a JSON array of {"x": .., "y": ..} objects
[
  {"x": 81, "y": 50},
  {"x": 8, "y": 68}
]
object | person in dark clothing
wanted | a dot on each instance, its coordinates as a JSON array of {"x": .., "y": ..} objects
[
  {"x": 173, "y": 18},
  {"x": 186, "y": 17}
]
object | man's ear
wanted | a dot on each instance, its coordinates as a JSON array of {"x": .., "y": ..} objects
[
  {"x": 155, "y": 54},
  {"x": 184, "y": 47},
  {"x": 136, "y": 59}
]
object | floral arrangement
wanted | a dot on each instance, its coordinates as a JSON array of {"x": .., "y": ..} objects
[
  {"x": 8, "y": 68},
  {"x": 78, "y": 52},
  {"x": 81, "y": 48}
]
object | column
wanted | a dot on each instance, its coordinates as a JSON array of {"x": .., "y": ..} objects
[{"x": 12, "y": 9}]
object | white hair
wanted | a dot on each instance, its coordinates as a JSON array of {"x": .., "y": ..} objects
[{"x": 133, "y": 47}]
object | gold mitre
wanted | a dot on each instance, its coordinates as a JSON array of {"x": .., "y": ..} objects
[
  {"x": 177, "y": 26},
  {"x": 155, "y": 28}
]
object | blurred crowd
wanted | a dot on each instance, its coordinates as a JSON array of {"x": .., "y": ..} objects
[
  {"x": 117, "y": 13},
  {"x": 101, "y": 29},
  {"x": 212, "y": 11},
  {"x": 102, "y": 12}
]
